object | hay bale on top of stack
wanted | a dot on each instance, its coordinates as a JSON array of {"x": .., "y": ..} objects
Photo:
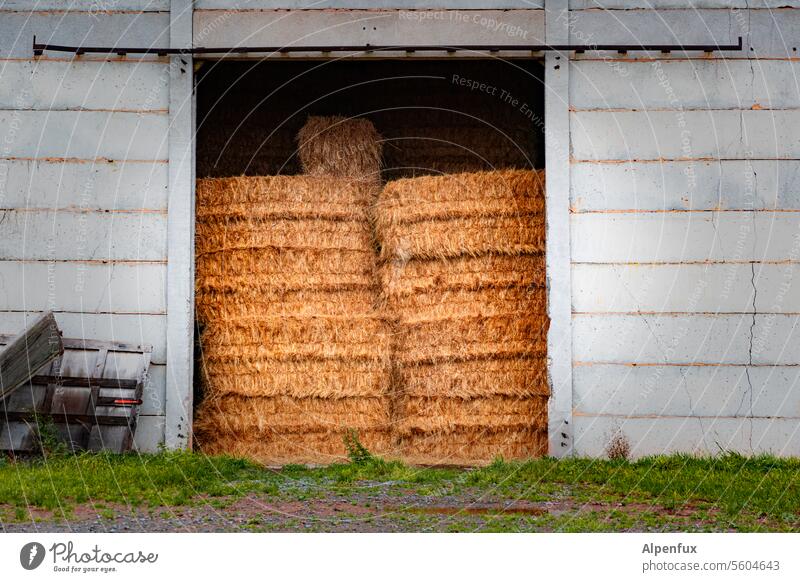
[
  {"x": 294, "y": 353},
  {"x": 463, "y": 274}
]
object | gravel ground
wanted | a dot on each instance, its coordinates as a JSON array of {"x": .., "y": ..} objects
[{"x": 372, "y": 507}]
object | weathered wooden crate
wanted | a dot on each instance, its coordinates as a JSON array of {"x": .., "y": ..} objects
[{"x": 90, "y": 394}]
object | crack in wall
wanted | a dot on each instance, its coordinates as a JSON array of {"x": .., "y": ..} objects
[{"x": 752, "y": 330}]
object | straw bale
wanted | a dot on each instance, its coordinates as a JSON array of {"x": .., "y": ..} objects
[
  {"x": 285, "y": 414},
  {"x": 465, "y": 195},
  {"x": 284, "y": 338},
  {"x": 464, "y": 236},
  {"x": 517, "y": 377},
  {"x": 463, "y": 277},
  {"x": 253, "y": 302},
  {"x": 467, "y": 208},
  {"x": 298, "y": 234},
  {"x": 304, "y": 379},
  {"x": 251, "y": 285},
  {"x": 455, "y": 352},
  {"x": 338, "y": 146},
  {"x": 435, "y": 305},
  {"x": 472, "y": 446},
  {"x": 286, "y": 262},
  {"x": 469, "y": 338},
  {"x": 444, "y": 415},
  {"x": 262, "y": 212},
  {"x": 279, "y": 449},
  {"x": 307, "y": 196},
  {"x": 400, "y": 278},
  {"x": 444, "y": 164},
  {"x": 470, "y": 214}
]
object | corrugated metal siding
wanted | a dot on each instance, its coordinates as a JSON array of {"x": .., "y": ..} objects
[
  {"x": 685, "y": 231},
  {"x": 83, "y": 179}
]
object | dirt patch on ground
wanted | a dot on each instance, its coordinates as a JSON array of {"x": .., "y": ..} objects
[{"x": 371, "y": 508}]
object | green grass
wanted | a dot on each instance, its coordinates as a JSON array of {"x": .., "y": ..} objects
[
  {"x": 733, "y": 483},
  {"x": 153, "y": 480},
  {"x": 669, "y": 492}
]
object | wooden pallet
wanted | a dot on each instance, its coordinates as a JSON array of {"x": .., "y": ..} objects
[
  {"x": 36, "y": 346},
  {"x": 90, "y": 394}
]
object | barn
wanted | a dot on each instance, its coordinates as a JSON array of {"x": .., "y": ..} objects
[{"x": 667, "y": 130}]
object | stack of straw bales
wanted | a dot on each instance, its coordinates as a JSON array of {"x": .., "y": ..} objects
[
  {"x": 294, "y": 353},
  {"x": 463, "y": 273}
]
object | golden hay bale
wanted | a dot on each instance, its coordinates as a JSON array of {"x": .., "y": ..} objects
[
  {"x": 469, "y": 338},
  {"x": 463, "y": 278},
  {"x": 285, "y": 338},
  {"x": 309, "y": 196},
  {"x": 303, "y": 379},
  {"x": 400, "y": 278},
  {"x": 279, "y": 449},
  {"x": 253, "y": 302},
  {"x": 523, "y": 206},
  {"x": 470, "y": 214},
  {"x": 294, "y": 350},
  {"x": 446, "y": 415},
  {"x": 290, "y": 264},
  {"x": 518, "y": 377},
  {"x": 467, "y": 195},
  {"x": 294, "y": 234},
  {"x": 455, "y": 352},
  {"x": 464, "y": 237},
  {"x": 338, "y": 146},
  {"x": 285, "y": 414},
  {"x": 256, "y": 213},
  {"x": 470, "y": 303},
  {"x": 284, "y": 287},
  {"x": 472, "y": 446}
]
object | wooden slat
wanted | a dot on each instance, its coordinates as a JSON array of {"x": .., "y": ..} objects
[
  {"x": 88, "y": 85},
  {"x": 93, "y": 8},
  {"x": 361, "y": 27},
  {"x": 693, "y": 339},
  {"x": 695, "y": 134},
  {"x": 575, "y": 5},
  {"x": 659, "y": 436},
  {"x": 89, "y": 236},
  {"x": 130, "y": 329},
  {"x": 150, "y": 432},
  {"x": 119, "y": 383},
  {"x": 725, "y": 391},
  {"x": 89, "y": 420},
  {"x": 101, "y": 185},
  {"x": 35, "y": 347},
  {"x": 686, "y": 185},
  {"x": 17, "y": 436},
  {"x": 368, "y": 4},
  {"x": 102, "y": 29},
  {"x": 675, "y": 237},
  {"x": 765, "y": 33},
  {"x": 33, "y": 399},
  {"x": 136, "y": 287},
  {"x": 695, "y": 84},
  {"x": 684, "y": 288},
  {"x": 80, "y": 395},
  {"x": 88, "y": 135}
]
